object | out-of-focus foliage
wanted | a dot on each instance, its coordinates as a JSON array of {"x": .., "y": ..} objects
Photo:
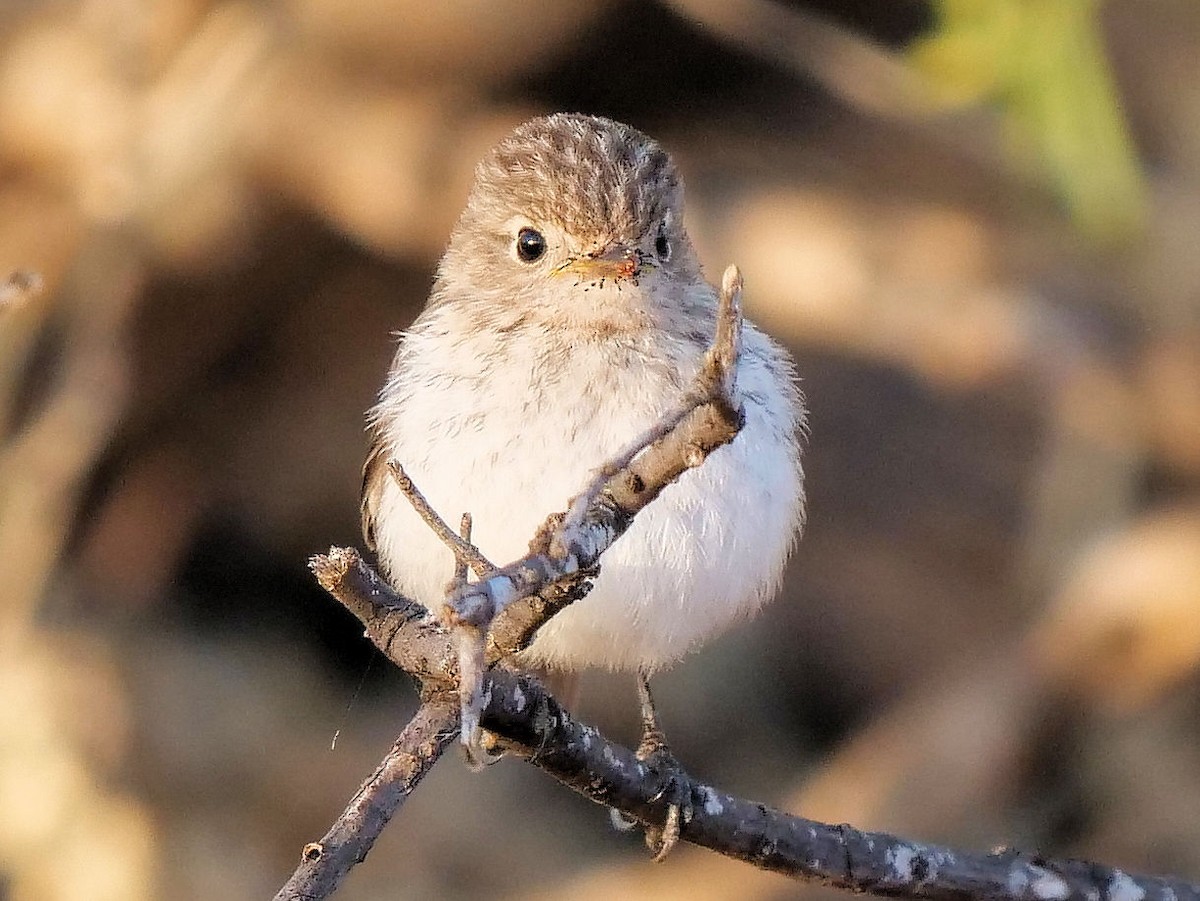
[
  {"x": 988, "y": 632},
  {"x": 1043, "y": 64}
]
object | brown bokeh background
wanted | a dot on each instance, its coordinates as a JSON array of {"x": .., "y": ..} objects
[{"x": 990, "y": 634}]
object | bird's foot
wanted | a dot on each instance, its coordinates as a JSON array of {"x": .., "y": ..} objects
[
  {"x": 656, "y": 754},
  {"x": 675, "y": 790}
]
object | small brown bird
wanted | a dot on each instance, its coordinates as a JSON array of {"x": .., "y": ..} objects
[{"x": 568, "y": 315}]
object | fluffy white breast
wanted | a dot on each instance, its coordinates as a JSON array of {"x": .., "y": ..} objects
[{"x": 509, "y": 425}]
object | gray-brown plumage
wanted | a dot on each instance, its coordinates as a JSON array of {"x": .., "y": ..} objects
[{"x": 568, "y": 315}]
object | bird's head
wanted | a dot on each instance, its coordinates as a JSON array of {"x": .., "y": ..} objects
[{"x": 569, "y": 205}]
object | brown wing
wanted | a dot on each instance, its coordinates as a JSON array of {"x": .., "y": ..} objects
[{"x": 374, "y": 475}]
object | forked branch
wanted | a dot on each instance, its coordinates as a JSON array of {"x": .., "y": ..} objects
[{"x": 530, "y": 723}]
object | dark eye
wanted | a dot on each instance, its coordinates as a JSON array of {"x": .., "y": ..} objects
[
  {"x": 530, "y": 244},
  {"x": 662, "y": 245}
]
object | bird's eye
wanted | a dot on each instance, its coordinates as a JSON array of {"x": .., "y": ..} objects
[
  {"x": 530, "y": 244},
  {"x": 662, "y": 245}
]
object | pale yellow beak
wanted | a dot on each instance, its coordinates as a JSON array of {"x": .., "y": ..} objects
[{"x": 615, "y": 262}]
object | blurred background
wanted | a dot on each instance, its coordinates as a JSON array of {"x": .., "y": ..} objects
[{"x": 976, "y": 224}]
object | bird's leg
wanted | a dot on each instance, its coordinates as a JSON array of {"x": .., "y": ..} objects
[
  {"x": 654, "y": 751},
  {"x": 478, "y": 745}
]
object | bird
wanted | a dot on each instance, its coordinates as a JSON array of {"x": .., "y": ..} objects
[{"x": 568, "y": 315}]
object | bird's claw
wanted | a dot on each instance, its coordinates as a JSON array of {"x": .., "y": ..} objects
[
  {"x": 620, "y": 822},
  {"x": 677, "y": 793},
  {"x": 655, "y": 753}
]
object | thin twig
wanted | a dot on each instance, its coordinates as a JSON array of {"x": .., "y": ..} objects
[
  {"x": 406, "y": 632},
  {"x": 460, "y": 565},
  {"x": 587, "y": 498},
  {"x": 721, "y": 359},
  {"x": 464, "y": 552},
  {"x": 325, "y": 863}
]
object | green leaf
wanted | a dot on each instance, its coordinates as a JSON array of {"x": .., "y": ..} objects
[{"x": 1042, "y": 65}]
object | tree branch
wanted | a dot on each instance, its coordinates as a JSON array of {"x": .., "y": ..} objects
[
  {"x": 465, "y": 553},
  {"x": 325, "y": 863},
  {"x": 537, "y": 728},
  {"x": 530, "y": 723}
]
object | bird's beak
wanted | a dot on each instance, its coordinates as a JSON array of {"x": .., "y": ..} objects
[{"x": 615, "y": 261}]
